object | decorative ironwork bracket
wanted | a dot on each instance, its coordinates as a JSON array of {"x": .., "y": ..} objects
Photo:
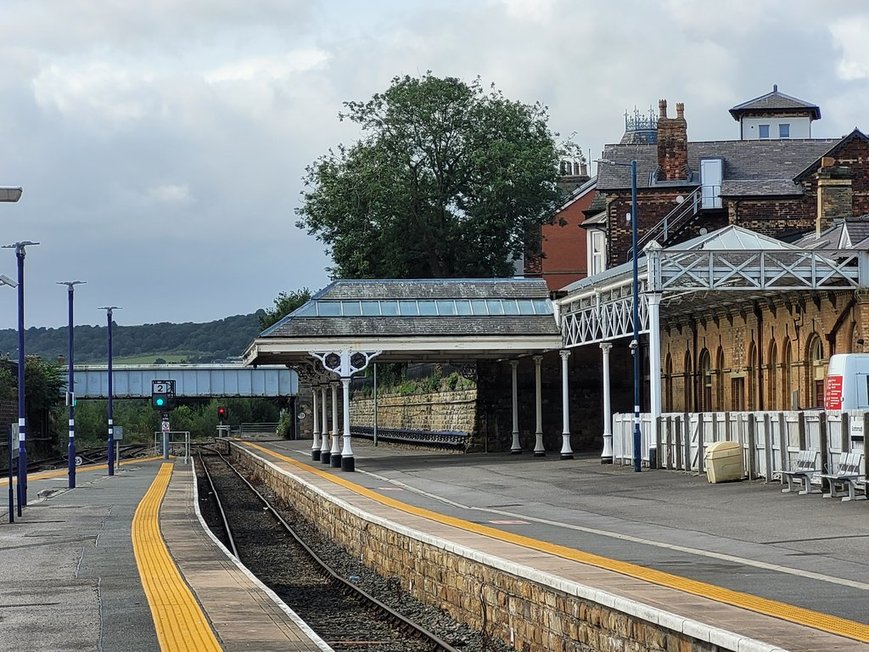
[{"x": 345, "y": 363}]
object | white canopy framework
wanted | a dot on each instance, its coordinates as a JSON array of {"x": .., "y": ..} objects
[
  {"x": 699, "y": 273},
  {"x": 598, "y": 309}
]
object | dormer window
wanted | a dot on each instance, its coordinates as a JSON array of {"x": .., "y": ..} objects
[
  {"x": 596, "y": 248},
  {"x": 763, "y": 131},
  {"x": 784, "y": 130}
]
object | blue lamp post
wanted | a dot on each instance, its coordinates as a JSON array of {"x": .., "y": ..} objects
[
  {"x": 10, "y": 194},
  {"x": 20, "y": 253},
  {"x": 635, "y": 315},
  {"x": 70, "y": 389},
  {"x": 5, "y": 280},
  {"x": 111, "y": 439}
]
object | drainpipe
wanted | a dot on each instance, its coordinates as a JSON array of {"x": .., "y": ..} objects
[{"x": 758, "y": 315}]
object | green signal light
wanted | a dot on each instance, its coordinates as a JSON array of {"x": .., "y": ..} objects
[{"x": 160, "y": 401}]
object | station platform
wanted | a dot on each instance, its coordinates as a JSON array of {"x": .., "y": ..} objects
[
  {"x": 124, "y": 563},
  {"x": 755, "y": 569}
]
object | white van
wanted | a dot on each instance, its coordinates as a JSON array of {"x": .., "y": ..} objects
[{"x": 847, "y": 386}]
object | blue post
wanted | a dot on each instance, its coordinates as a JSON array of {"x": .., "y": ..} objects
[
  {"x": 22, "y": 437},
  {"x": 70, "y": 393},
  {"x": 111, "y": 439},
  {"x": 635, "y": 344}
]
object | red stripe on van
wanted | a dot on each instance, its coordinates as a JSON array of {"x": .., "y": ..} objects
[{"x": 833, "y": 393}]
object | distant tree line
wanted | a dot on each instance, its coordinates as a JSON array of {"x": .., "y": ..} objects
[{"x": 206, "y": 342}]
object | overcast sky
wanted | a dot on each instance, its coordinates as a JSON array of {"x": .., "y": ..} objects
[{"x": 161, "y": 143}]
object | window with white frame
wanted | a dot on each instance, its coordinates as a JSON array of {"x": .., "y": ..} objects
[
  {"x": 763, "y": 131},
  {"x": 784, "y": 130},
  {"x": 596, "y": 251}
]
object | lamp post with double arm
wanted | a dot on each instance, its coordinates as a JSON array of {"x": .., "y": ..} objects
[{"x": 20, "y": 253}]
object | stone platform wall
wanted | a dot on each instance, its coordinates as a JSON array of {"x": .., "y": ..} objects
[{"x": 519, "y": 606}]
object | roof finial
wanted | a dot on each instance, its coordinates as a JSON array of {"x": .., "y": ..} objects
[{"x": 775, "y": 88}]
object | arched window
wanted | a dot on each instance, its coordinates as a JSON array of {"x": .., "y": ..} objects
[
  {"x": 752, "y": 398},
  {"x": 668, "y": 384},
  {"x": 816, "y": 370},
  {"x": 688, "y": 387},
  {"x": 788, "y": 400},
  {"x": 705, "y": 368},
  {"x": 772, "y": 396}
]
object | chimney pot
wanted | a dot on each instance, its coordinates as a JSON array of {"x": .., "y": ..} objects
[
  {"x": 680, "y": 110},
  {"x": 662, "y": 108}
]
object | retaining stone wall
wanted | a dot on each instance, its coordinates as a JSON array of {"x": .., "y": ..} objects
[
  {"x": 529, "y": 615},
  {"x": 439, "y": 411}
]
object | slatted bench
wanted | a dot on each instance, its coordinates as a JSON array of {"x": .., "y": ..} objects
[
  {"x": 844, "y": 480},
  {"x": 805, "y": 466}
]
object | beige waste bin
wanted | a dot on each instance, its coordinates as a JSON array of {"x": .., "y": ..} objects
[{"x": 724, "y": 462}]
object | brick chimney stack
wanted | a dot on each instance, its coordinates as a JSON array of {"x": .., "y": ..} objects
[{"x": 672, "y": 144}]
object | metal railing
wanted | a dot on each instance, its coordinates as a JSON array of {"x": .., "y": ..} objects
[
  {"x": 680, "y": 214},
  {"x": 175, "y": 440},
  {"x": 770, "y": 440}
]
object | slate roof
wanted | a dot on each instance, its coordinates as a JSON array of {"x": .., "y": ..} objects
[
  {"x": 300, "y": 324},
  {"x": 852, "y": 232},
  {"x": 751, "y": 167},
  {"x": 774, "y": 102},
  {"x": 437, "y": 288},
  {"x": 501, "y": 325}
]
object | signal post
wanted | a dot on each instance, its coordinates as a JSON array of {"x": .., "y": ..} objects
[{"x": 163, "y": 399}]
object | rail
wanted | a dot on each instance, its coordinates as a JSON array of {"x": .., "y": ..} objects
[{"x": 345, "y": 585}]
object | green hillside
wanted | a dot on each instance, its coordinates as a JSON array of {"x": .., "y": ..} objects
[{"x": 213, "y": 341}]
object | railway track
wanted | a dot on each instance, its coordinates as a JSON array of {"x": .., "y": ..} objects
[{"x": 329, "y": 598}]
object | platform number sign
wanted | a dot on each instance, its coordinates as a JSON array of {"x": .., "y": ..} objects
[{"x": 163, "y": 394}]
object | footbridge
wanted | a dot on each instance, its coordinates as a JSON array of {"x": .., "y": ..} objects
[{"x": 191, "y": 380}]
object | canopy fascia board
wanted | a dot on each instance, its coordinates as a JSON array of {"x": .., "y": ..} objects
[{"x": 267, "y": 350}]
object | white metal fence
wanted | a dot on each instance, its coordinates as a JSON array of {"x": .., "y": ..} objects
[{"x": 770, "y": 440}]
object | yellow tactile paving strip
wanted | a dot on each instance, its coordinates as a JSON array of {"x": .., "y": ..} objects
[
  {"x": 58, "y": 473},
  {"x": 801, "y": 616},
  {"x": 180, "y": 623}
]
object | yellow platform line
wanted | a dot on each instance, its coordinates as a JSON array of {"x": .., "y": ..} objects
[
  {"x": 180, "y": 623},
  {"x": 799, "y": 615},
  {"x": 57, "y": 473}
]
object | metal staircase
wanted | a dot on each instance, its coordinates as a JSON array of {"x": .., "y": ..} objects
[{"x": 682, "y": 214}]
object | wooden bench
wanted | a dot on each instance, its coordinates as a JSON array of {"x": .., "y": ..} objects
[
  {"x": 805, "y": 466},
  {"x": 845, "y": 478}
]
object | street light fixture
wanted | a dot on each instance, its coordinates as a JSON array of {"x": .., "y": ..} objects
[
  {"x": 5, "y": 280},
  {"x": 70, "y": 388},
  {"x": 111, "y": 439},
  {"x": 10, "y": 193},
  {"x": 20, "y": 253},
  {"x": 635, "y": 343}
]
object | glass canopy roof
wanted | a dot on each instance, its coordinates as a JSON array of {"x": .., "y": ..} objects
[{"x": 424, "y": 308}]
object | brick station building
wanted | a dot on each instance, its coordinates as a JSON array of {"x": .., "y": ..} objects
[{"x": 763, "y": 352}]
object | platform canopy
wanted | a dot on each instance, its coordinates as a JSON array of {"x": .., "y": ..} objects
[
  {"x": 728, "y": 266},
  {"x": 439, "y": 320}
]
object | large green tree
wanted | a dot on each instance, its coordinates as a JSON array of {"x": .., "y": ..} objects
[
  {"x": 285, "y": 303},
  {"x": 447, "y": 181}
]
